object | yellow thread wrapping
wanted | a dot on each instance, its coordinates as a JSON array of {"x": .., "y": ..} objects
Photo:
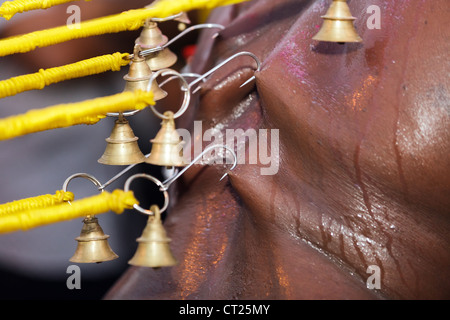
[
  {"x": 126, "y": 21},
  {"x": 65, "y": 115},
  {"x": 43, "y": 78},
  {"x": 117, "y": 201},
  {"x": 9, "y": 8},
  {"x": 36, "y": 202}
]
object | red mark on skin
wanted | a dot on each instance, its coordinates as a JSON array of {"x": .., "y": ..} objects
[{"x": 357, "y": 99}]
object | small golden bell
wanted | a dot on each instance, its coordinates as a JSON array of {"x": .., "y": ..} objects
[
  {"x": 152, "y": 37},
  {"x": 139, "y": 75},
  {"x": 122, "y": 147},
  {"x": 93, "y": 244},
  {"x": 338, "y": 24},
  {"x": 167, "y": 145},
  {"x": 153, "y": 245}
]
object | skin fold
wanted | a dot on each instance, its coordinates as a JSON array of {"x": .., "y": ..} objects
[{"x": 363, "y": 175}]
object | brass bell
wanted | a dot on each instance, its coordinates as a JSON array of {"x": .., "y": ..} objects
[
  {"x": 139, "y": 75},
  {"x": 153, "y": 245},
  {"x": 122, "y": 147},
  {"x": 93, "y": 244},
  {"x": 338, "y": 24},
  {"x": 166, "y": 149},
  {"x": 152, "y": 37}
]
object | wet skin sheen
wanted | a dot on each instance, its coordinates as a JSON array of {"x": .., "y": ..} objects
[{"x": 363, "y": 175}]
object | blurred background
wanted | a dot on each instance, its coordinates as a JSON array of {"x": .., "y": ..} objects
[{"x": 33, "y": 264}]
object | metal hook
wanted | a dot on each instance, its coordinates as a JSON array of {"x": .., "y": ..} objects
[
  {"x": 184, "y": 75},
  {"x": 147, "y": 52},
  {"x": 182, "y": 16},
  {"x": 172, "y": 17},
  {"x": 184, "y": 87},
  {"x": 157, "y": 182},
  {"x": 258, "y": 63},
  {"x": 168, "y": 182},
  {"x": 81, "y": 175}
]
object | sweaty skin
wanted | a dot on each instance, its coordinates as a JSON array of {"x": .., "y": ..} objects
[{"x": 363, "y": 175}]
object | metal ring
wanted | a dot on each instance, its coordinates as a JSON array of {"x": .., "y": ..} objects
[
  {"x": 172, "y": 17},
  {"x": 184, "y": 87},
  {"x": 125, "y": 114},
  {"x": 82, "y": 175},
  {"x": 157, "y": 182}
]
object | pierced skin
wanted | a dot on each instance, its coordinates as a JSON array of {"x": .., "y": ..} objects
[{"x": 363, "y": 175}]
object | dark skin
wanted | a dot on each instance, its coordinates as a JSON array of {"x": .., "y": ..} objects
[{"x": 363, "y": 178}]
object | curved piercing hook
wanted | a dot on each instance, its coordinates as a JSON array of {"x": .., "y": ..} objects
[
  {"x": 147, "y": 52},
  {"x": 172, "y": 17},
  {"x": 157, "y": 182},
  {"x": 123, "y": 114},
  {"x": 184, "y": 87},
  {"x": 168, "y": 182},
  {"x": 258, "y": 63},
  {"x": 81, "y": 175},
  {"x": 185, "y": 75}
]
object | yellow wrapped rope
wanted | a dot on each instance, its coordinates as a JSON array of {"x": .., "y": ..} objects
[
  {"x": 117, "y": 201},
  {"x": 36, "y": 202},
  {"x": 45, "y": 77},
  {"x": 188, "y": 5},
  {"x": 9, "y": 8},
  {"x": 65, "y": 115},
  {"x": 125, "y": 21}
]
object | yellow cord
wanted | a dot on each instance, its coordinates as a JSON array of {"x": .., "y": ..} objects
[
  {"x": 43, "y": 78},
  {"x": 126, "y": 21},
  {"x": 65, "y": 115},
  {"x": 36, "y": 202},
  {"x": 9, "y": 8},
  {"x": 117, "y": 201}
]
